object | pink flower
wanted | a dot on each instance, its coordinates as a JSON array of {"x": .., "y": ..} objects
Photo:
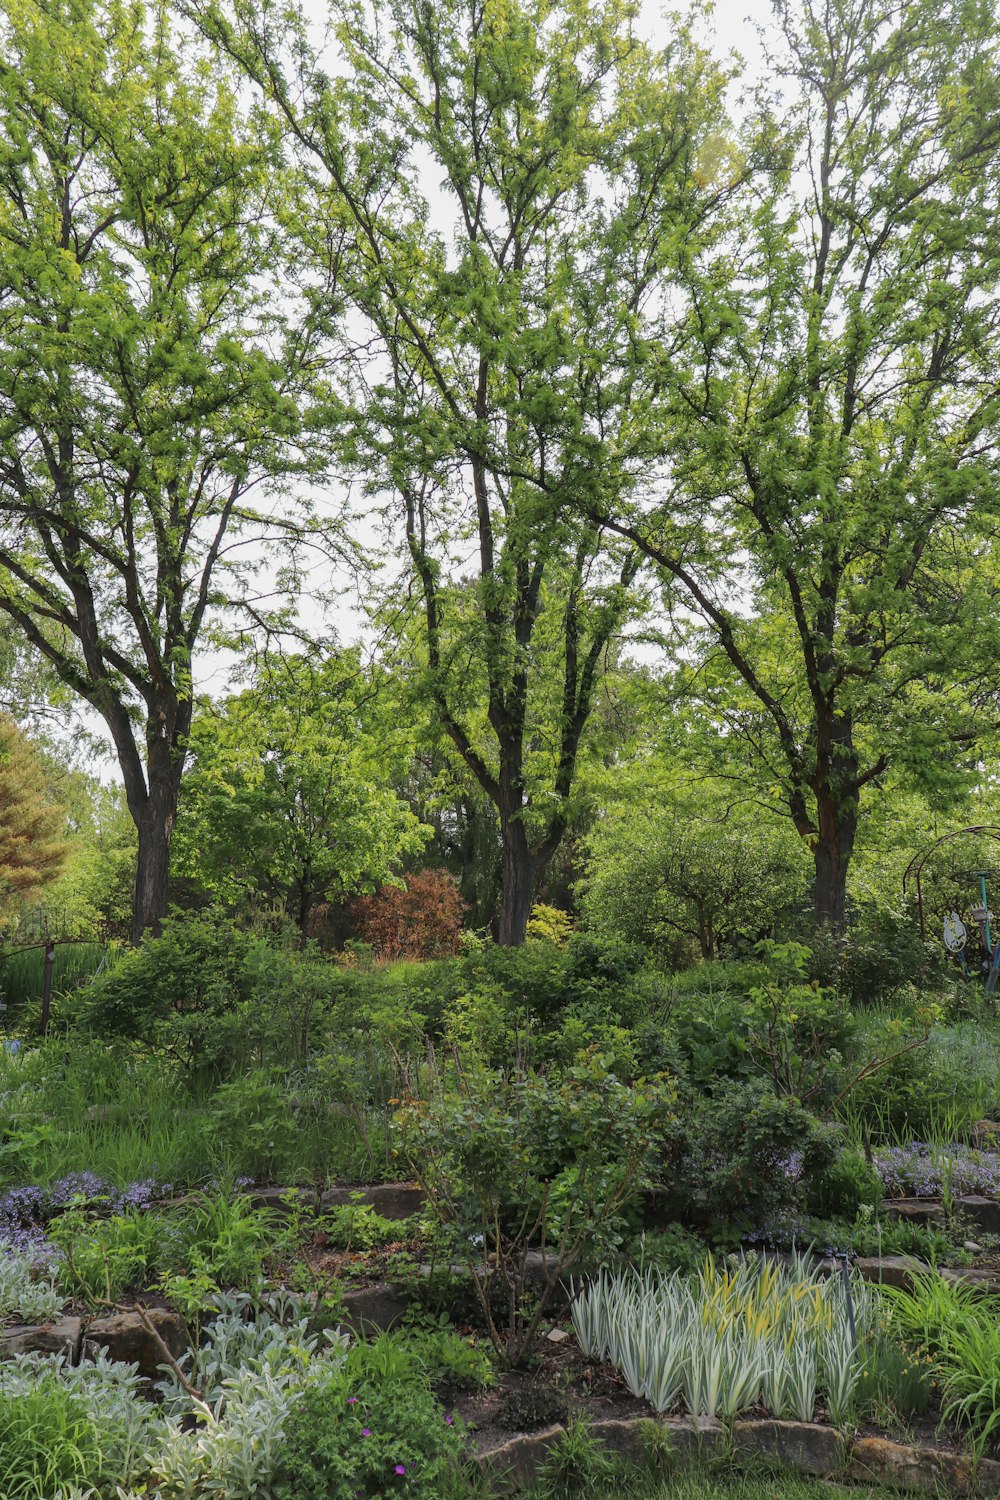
[
  {"x": 366, "y": 1432},
  {"x": 400, "y": 1468},
  {"x": 352, "y": 1400},
  {"x": 449, "y": 1419}
]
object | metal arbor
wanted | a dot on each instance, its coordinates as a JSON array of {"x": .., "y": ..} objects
[{"x": 954, "y": 928}]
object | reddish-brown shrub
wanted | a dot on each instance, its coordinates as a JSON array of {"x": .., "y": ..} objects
[{"x": 424, "y": 920}]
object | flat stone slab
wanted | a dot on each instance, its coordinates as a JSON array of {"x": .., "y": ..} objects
[
  {"x": 124, "y": 1337},
  {"x": 517, "y": 1464},
  {"x": 980, "y": 1277},
  {"x": 373, "y": 1309},
  {"x": 929, "y": 1471},
  {"x": 983, "y": 1212},
  {"x": 801, "y": 1447},
  {"x": 60, "y": 1337},
  {"x": 889, "y": 1270},
  {"x": 393, "y": 1200},
  {"x": 916, "y": 1210},
  {"x": 804, "y": 1447}
]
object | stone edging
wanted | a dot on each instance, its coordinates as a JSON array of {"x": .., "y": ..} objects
[{"x": 801, "y": 1447}]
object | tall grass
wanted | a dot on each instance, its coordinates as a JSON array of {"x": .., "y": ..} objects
[
  {"x": 75, "y": 1105},
  {"x": 22, "y": 971}
]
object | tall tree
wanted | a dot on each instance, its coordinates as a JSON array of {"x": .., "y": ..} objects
[
  {"x": 33, "y": 844},
  {"x": 830, "y": 427},
  {"x": 146, "y": 386},
  {"x": 499, "y": 376},
  {"x": 289, "y": 795}
]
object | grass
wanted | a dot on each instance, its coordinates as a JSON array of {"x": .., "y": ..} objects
[
  {"x": 21, "y": 971},
  {"x": 81, "y": 1106},
  {"x": 703, "y": 1484}
]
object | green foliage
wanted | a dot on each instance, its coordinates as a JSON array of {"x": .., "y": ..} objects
[
  {"x": 22, "y": 974},
  {"x": 672, "y": 1249},
  {"x": 844, "y": 1186},
  {"x": 48, "y": 1443},
  {"x": 209, "y": 993},
  {"x": 690, "y": 874},
  {"x": 894, "y": 1378},
  {"x": 798, "y": 1034},
  {"x": 881, "y": 952},
  {"x": 102, "y": 1258},
  {"x": 451, "y": 1361},
  {"x": 578, "y": 1463},
  {"x": 357, "y": 1226},
  {"x": 24, "y": 1295},
  {"x": 549, "y": 924},
  {"x": 374, "y": 1430},
  {"x": 741, "y": 1154},
  {"x": 289, "y": 800},
  {"x": 517, "y": 1159},
  {"x": 225, "y": 1237}
]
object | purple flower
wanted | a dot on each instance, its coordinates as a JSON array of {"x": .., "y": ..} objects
[
  {"x": 366, "y": 1432},
  {"x": 400, "y": 1468},
  {"x": 351, "y": 1400}
]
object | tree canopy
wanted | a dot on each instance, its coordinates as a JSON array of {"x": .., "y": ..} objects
[{"x": 146, "y": 384}]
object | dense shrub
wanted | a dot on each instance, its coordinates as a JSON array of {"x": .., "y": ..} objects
[
  {"x": 422, "y": 919},
  {"x": 741, "y": 1154},
  {"x": 209, "y": 993},
  {"x": 881, "y": 951},
  {"x": 844, "y": 1186},
  {"x": 516, "y": 1158}
]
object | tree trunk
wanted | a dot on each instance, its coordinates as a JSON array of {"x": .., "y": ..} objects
[
  {"x": 154, "y": 814},
  {"x": 833, "y": 846},
  {"x": 149, "y": 902},
  {"x": 518, "y": 884}
]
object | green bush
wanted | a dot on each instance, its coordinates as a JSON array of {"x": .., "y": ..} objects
[
  {"x": 881, "y": 951},
  {"x": 518, "y": 1158},
  {"x": 205, "y": 991},
  {"x": 374, "y": 1430},
  {"x": 844, "y": 1186},
  {"x": 742, "y": 1155}
]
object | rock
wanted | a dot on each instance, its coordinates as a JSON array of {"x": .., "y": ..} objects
[
  {"x": 393, "y": 1200},
  {"x": 889, "y": 1270},
  {"x": 972, "y": 1247},
  {"x": 898, "y": 1467},
  {"x": 917, "y": 1210},
  {"x": 61, "y": 1337},
  {"x": 627, "y": 1437},
  {"x": 980, "y": 1277},
  {"x": 693, "y": 1437},
  {"x": 278, "y": 1199},
  {"x": 805, "y": 1447},
  {"x": 517, "y": 1464},
  {"x": 983, "y": 1212},
  {"x": 373, "y": 1309},
  {"x": 557, "y": 1336},
  {"x": 124, "y": 1337}
]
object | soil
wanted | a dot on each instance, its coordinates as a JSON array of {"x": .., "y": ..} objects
[
  {"x": 556, "y": 1383},
  {"x": 561, "y": 1383}
]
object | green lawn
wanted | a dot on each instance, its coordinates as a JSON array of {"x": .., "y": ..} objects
[{"x": 699, "y": 1484}]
